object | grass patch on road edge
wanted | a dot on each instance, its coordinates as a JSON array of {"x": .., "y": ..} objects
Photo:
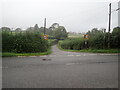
[
  {"x": 92, "y": 50},
  {"x": 10, "y": 54}
]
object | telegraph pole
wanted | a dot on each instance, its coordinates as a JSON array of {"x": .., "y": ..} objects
[
  {"x": 109, "y": 25},
  {"x": 44, "y": 26}
]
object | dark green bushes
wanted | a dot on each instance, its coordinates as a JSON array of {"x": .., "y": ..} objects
[
  {"x": 98, "y": 39},
  {"x": 74, "y": 44},
  {"x": 115, "y": 38},
  {"x": 24, "y": 42}
]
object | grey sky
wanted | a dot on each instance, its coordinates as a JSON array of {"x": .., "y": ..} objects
[{"x": 75, "y": 15}]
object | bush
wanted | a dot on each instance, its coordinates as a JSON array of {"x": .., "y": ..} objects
[
  {"x": 24, "y": 42},
  {"x": 99, "y": 41},
  {"x": 115, "y": 38},
  {"x": 74, "y": 44}
]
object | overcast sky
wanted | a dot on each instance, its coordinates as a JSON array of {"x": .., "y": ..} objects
[{"x": 74, "y": 15}]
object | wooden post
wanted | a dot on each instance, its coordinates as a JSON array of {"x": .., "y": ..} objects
[
  {"x": 44, "y": 26},
  {"x": 109, "y": 25}
]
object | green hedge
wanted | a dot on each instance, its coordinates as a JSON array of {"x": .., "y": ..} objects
[
  {"x": 97, "y": 41},
  {"x": 73, "y": 44},
  {"x": 24, "y": 42}
]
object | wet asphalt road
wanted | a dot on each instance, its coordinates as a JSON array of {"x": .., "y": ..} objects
[{"x": 61, "y": 69}]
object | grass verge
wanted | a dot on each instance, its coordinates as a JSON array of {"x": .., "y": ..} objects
[
  {"x": 92, "y": 50},
  {"x": 10, "y": 54}
]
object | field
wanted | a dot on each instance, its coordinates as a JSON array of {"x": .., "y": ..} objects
[{"x": 75, "y": 35}]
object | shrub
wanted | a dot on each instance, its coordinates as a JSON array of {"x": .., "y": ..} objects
[
  {"x": 74, "y": 44},
  {"x": 23, "y": 42}
]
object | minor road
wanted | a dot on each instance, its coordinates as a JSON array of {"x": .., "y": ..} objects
[{"x": 61, "y": 69}]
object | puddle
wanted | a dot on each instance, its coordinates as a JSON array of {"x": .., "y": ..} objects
[{"x": 46, "y": 59}]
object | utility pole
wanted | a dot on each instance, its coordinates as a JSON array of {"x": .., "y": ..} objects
[
  {"x": 109, "y": 25},
  {"x": 44, "y": 26}
]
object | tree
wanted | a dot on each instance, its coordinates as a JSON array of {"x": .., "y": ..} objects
[
  {"x": 30, "y": 29},
  {"x": 115, "y": 38},
  {"x": 50, "y": 31},
  {"x": 64, "y": 33},
  {"x": 18, "y": 29},
  {"x": 36, "y": 28},
  {"x": 57, "y": 31},
  {"x": 97, "y": 38},
  {"x": 5, "y": 29},
  {"x": 55, "y": 25},
  {"x": 60, "y": 33}
]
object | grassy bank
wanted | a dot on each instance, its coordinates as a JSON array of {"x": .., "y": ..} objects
[
  {"x": 10, "y": 54},
  {"x": 92, "y": 50}
]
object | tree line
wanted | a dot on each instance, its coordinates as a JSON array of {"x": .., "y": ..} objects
[{"x": 55, "y": 31}]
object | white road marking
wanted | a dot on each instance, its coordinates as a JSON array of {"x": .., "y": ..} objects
[
  {"x": 92, "y": 54},
  {"x": 4, "y": 67},
  {"x": 32, "y": 56},
  {"x": 70, "y": 63},
  {"x": 84, "y": 55},
  {"x": 43, "y": 56},
  {"x": 78, "y": 55},
  {"x": 21, "y": 56},
  {"x": 70, "y": 55},
  {"x": 108, "y": 54}
]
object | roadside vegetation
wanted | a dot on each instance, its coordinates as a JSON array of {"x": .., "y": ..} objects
[
  {"x": 91, "y": 50},
  {"x": 30, "y": 42},
  {"x": 24, "y": 43},
  {"x": 97, "y": 42},
  {"x": 11, "y": 54}
]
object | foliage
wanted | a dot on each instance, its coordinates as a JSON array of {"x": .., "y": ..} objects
[
  {"x": 115, "y": 38},
  {"x": 18, "y": 30},
  {"x": 9, "y": 54},
  {"x": 36, "y": 28},
  {"x": 59, "y": 32},
  {"x": 23, "y": 42},
  {"x": 98, "y": 39},
  {"x": 73, "y": 44},
  {"x": 92, "y": 50},
  {"x": 54, "y": 31},
  {"x": 5, "y": 29}
]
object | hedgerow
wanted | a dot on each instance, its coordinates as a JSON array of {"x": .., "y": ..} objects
[
  {"x": 24, "y": 42},
  {"x": 98, "y": 39},
  {"x": 74, "y": 44}
]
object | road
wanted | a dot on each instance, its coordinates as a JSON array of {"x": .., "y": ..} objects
[{"x": 61, "y": 69}]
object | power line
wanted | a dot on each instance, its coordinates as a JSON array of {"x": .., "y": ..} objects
[{"x": 115, "y": 10}]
